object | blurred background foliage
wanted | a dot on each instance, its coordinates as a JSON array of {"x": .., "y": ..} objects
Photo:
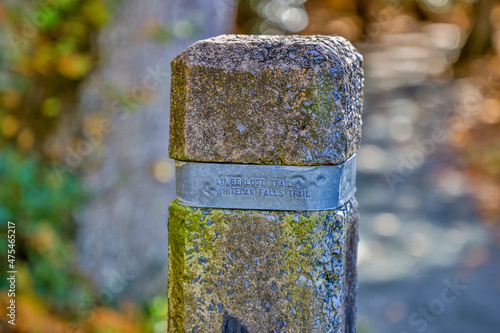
[{"x": 51, "y": 49}]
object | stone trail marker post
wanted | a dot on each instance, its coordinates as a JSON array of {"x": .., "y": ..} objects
[{"x": 263, "y": 233}]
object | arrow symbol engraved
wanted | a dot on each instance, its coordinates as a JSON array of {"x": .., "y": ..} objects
[{"x": 207, "y": 190}]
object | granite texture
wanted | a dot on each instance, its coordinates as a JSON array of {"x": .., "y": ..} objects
[
  {"x": 262, "y": 271},
  {"x": 293, "y": 100}
]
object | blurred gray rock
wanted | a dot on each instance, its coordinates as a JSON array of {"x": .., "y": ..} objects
[{"x": 122, "y": 236}]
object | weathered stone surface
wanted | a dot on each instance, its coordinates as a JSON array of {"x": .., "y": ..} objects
[
  {"x": 292, "y": 100},
  {"x": 262, "y": 271}
]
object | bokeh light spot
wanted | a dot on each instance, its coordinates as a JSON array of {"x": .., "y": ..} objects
[
  {"x": 162, "y": 170},
  {"x": 386, "y": 224},
  {"x": 370, "y": 157},
  {"x": 400, "y": 128}
]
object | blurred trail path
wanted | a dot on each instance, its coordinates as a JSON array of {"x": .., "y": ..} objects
[{"x": 419, "y": 231}]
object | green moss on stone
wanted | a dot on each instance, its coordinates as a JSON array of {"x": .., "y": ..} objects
[{"x": 271, "y": 269}]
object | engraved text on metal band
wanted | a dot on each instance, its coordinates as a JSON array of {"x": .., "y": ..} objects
[{"x": 265, "y": 187}]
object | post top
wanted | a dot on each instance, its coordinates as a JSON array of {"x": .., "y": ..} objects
[
  {"x": 293, "y": 100},
  {"x": 233, "y": 51}
]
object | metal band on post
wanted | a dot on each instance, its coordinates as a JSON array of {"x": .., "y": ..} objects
[{"x": 265, "y": 187}]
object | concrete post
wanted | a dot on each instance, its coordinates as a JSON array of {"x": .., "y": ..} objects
[{"x": 263, "y": 233}]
